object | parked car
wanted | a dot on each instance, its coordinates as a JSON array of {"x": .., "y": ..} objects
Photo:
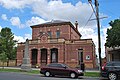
[
  {"x": 111, "y": 70},
  {"x": 60, "y": 69}
]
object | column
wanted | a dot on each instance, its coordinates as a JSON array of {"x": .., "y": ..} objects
[
  {"x": 39, "y": 57},
  {"x": 48, "y": 56}
]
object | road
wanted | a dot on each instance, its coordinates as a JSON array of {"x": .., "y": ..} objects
[{"x": 23, "y": 76}]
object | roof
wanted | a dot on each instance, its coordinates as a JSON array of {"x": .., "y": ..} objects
[
  {"x": 52, "y": 22},
  {"x": 56, "y": 23}
]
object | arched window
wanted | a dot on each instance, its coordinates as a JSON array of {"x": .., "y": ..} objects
[{"x": 54, "y": 55}]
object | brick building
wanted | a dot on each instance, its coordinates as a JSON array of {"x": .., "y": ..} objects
[{"x": 58, "y": 41}]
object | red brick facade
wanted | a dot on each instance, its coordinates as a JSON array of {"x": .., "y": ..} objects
[{"x": 58, "y": 42}]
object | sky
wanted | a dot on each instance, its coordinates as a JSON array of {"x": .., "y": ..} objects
[{"x": 19, "y": 15}]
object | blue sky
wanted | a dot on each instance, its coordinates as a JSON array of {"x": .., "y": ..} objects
[{"x": 20, "y": 14}]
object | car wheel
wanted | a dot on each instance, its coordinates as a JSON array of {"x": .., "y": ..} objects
[
  {"x": 47, "y": 73},
  {"x": 112, "y": 76},
  {"x": 73, "y": 75}
]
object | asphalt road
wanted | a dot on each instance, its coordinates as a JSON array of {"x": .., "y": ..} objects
[{"x": 22, "y": 76}]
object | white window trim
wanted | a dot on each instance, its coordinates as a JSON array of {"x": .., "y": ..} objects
[{"x": 87, "y": 57}]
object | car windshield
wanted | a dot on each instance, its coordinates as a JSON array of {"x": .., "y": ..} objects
[{"x": 65, "y": 65}]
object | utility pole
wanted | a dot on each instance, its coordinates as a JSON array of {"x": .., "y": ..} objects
[
  {"x": 98, "y": 24},
  {"x": 99, "y": 40}
]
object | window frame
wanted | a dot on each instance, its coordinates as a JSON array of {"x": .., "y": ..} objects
[
  {"x": 58, "y": 34},
  {"x": 87, "y": 57},
  {"x": 50, "y": 34}
]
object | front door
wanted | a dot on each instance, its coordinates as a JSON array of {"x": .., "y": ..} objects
[
  {"x": 34, "y": 57},
  {"x": 43, "y": 57}
]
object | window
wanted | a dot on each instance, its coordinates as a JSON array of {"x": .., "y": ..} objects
[
  {"x": 52, "y": 65},
  {"x": 49, "y": 33},
  {"x": 88, "y": 57},
  {"x": 58, "y": 34},
  {"x": 55, "y": 65},
  {"x": 41, "y": 33},
  {"x": 116, "y": 64},
  {"x": 53, "y": 57},
  {"x": 64, "y": 65},
  {"x": 109, "y": 64},
  {"x": 59, "y": 66}
]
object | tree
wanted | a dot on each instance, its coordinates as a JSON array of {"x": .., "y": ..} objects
[
  {"x": 7, "y": 43},
  {"x": 113, "y": 34}
]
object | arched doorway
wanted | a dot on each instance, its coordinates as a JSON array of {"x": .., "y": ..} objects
[
  {"x": 54, "y": 55},
  {"x": 34, "y": 57},
  {"x": 43, "y": 57}
]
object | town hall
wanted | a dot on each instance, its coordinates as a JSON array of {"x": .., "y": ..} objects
[{"x": 58, "y": 42}]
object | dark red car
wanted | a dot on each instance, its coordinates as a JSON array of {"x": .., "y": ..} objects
[{"x": 60, "y": 69}]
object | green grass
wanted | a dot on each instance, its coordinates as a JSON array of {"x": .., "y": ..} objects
[
  {"x": 89, "y": 74},
  {"x": 10, "y": 70},
  {"x": 92, "y": 74},
  {"x": 18, "y": 70}
]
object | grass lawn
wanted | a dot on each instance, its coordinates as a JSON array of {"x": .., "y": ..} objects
[
  {"x": 18, "y": 70},
  {"x": 90, "y": 74}
]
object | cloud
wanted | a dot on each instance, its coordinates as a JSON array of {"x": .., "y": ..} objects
[
  {"x": 103, "y": 39},
  {"x": 64, "y": 11},
  {"x": 28, "y": 36},
  {"x": 54, "y": 9},
  {"x": 19, "y": 38},
  {"x": 16, "y": 22},
  {"x": 35, "y": 21},
  {"x": 91, "y": 33},
  {"x": 4, "y": 17},
  {"x": 22, "y": 38},
  {"x": 0, "y": 28},
  {"x": 16, "y": 4}
]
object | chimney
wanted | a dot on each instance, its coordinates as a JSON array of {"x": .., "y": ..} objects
[{"x": 76, "y": 25}]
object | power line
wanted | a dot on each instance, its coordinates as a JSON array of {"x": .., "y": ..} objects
[
  {"x": 88, "y": 20},
  {"x": 110, "y": 12}
]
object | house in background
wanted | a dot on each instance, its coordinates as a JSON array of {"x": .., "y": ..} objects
[
  {"x": 112, "y": 54},
  {"x": 58, "y": 42}
]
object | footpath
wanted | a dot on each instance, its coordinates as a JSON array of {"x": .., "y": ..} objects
[{"x": 18, "y": 68}]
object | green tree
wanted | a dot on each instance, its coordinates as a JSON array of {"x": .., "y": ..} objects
[
  {"x": 113, "y": 34},
  {"x": 7, "y": 43}
]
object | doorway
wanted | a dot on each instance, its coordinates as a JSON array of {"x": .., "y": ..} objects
[
  {"x": 34, "y": 57},
  {"x": 43, "y": 57},
  {"x": 54, "y": 55},
  {"x": 80, "y": 56}
]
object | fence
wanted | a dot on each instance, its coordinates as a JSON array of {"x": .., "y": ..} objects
[{"x": 9, "y": 63}]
